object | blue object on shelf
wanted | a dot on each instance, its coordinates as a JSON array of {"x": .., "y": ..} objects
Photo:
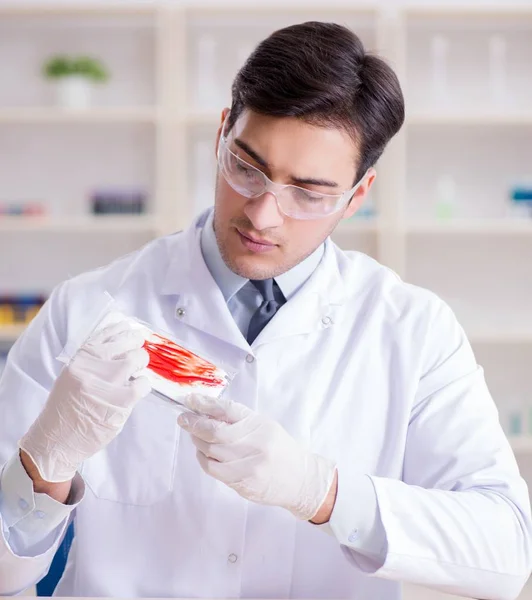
[
  {"x": 516, "y": 424},
  {"x": 521, "y": 201},
  {"x": 47, "y": 585},
  {"x": 521, "y": 194}
]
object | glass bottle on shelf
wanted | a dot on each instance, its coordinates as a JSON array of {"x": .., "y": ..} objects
[
  {"x": 204, "y": 174},
  {"x": 208, "y": 90},
  {"x": 439, "y": 51},
  {"x": 446, "y": 197},
  {"x": 498, "y": 85},
  {"x": 515, "y": 416}
]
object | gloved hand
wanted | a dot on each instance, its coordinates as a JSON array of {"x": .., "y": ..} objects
[
  {"x": 256, "y": 456},
  {"x": 89, "y": 402}
]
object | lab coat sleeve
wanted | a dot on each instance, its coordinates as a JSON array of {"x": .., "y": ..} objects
[
  {"x": 459, "y": 521},
  {"x": 25, "y": 384},
  {"x": 359, "y": 530},
  {"x": 28, "y": 518}
]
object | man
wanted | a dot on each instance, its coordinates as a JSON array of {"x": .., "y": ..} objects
[{"x": 357, "y": 446}]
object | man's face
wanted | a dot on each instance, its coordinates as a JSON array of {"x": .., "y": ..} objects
[{"x": 256, "y": 239}]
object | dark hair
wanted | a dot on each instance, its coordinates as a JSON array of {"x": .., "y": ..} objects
[{"x": 321, "y": 73}]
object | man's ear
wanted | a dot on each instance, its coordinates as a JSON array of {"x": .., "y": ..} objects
[
  {"x": 225, "y": 111},
  {"x": 360, "y": 193}
]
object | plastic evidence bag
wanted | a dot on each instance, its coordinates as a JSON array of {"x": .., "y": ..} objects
[{"x": 175, "y": 370}]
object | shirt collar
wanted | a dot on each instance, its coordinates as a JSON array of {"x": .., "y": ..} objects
[{"x": 230, "y": 283}]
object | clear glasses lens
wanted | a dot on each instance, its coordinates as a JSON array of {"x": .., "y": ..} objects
[{"x": 294, "y": 201}]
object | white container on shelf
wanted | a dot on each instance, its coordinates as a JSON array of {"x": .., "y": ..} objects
[
  {"x": 208, "y": 89},
  {"x": 74, "y": 92},
  {"x": 204, "y": 175},
  {"x": 498, "y": 86},
  {"x": 439, "y": 50},
  {"x": 446, "y": 197}
]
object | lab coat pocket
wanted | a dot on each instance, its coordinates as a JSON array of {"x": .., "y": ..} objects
[{"x": 137, "y": 467}]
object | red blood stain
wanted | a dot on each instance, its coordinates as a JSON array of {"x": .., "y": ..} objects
[{"x": 178, "y": 364}]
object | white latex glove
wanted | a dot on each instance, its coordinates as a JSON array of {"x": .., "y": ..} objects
[
  {"x": 89, "y": 402},
  {"x": 256, "y": 456}
]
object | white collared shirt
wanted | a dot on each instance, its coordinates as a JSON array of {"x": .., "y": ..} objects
[{"x": 241, "y": 296}]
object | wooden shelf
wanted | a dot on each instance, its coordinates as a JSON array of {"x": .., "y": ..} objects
[
  {"x": 88, "y": 224},
  {"x": 45, "y": 115},
  {"x": 521, "y": 444},
  {"x": 471, "y": 227},
  {"x": 279, "y": 9},
  {"x": 472, "y": 118},
  {"x": 468, "y": 12},
  {"x": 362, "y": 225},
  {"x": 202, "y": 118},
  {"x": 500, "y": 336},
  {"x": 82, "y": 9},
  {"x": 9, "y": 333}
]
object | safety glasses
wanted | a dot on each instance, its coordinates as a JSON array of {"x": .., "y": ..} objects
[{"x": 293, "y": 201}]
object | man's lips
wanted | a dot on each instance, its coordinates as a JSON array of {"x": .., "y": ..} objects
[
  {"x": 254, "y": 244},
  {"x": 255, "y": 240}
]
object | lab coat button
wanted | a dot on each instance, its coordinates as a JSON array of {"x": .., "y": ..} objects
[
  {"x": 180, "y": 312},
  {"x": 250, "y": 358},
  {"x": 353, "y": 536},
  {"x": 23, "y": 504},
  {"x": 232, "y": 558},
  {"x": 39, "y": 514},
  {"x": 326, "y": 321}
]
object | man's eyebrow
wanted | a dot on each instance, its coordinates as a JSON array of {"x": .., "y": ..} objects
[
  {"x": 254, "y": 155},
  {"x": 311, "y": 181},
  {"x": 297, "y": 180}
]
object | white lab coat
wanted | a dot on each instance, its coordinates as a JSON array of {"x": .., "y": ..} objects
[{"x": 360, "y": 367}]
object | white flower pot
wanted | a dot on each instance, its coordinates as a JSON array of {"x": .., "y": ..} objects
[{"x": 74, "y": 92}]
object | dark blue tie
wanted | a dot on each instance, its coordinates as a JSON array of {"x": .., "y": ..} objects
[{"x": 272, "y": 300}]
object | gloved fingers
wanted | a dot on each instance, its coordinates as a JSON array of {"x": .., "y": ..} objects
[
  {"x": 138, "y": 358},
  {"x": 124, "y": 396},
  {"x": 219, "y": 452},
  {"x": 118, "y": 345},
  {"x": 109, "y": 331},
  {"x": 211, "y": 467},
  {"x": 214, "y": 431},
  {"x": 140, "y": 388},
  {"x": 206, "y": 406},
  {"x": 226, "y": 453},
  {"x": 131, "y": 363},
  {"x": 207, "y": 449},
  {"x": 236, "y": 474},
  {"x": 204, "y": 428},
  {"x": 221, "y": 409}
]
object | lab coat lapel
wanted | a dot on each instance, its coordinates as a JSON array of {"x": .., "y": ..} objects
[
  {"x": 199, "y": 301},
  {"x": 315, "y": 305}
]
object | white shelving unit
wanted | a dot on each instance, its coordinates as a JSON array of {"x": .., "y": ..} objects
[
  {"x": 471, "y": 227},
  {"x": 482, "y": 118},
  {"x": 45, "y": 115},
  {"x": 153, "y": 126},
  {"x": 459, "y": 128},
  {"x": 522, "y": 445},
  {"x": 86, "y": 224}
]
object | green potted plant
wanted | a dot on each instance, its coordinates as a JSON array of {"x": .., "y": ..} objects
[{"x": 74, "y": 77}]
